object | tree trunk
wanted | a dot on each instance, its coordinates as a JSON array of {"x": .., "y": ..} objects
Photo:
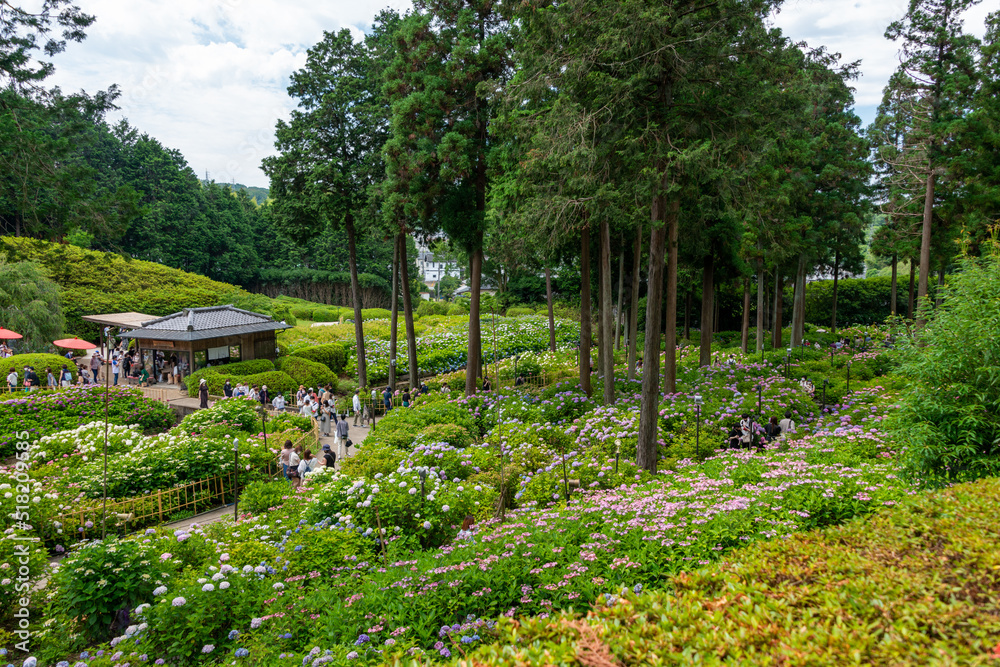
[
  {"x": 621, "y": 296},
  {"x": 585, "y": 319},
  {"x": 475, "y": 341},
  {"x": 745, "y": 328},
  {"x": 909, "y": 306},
  {"x": 394, "y": 322},
  {"x": 411, "y": 336},
  {"x": 760, "y": 306},
  {"x": 607, "y": 342},
  {"x": 892, "y": 304},
  {"x": 687, "y": 315},
  {"x": 925, "y": 245},
  {"x": 633, "y": 306},
  {"x": 938, "y": 299},
  {"x": 548, "y": 300},
  {"x": 649, "y": 414},
  {"x": 836, "y": 268},
  {"x": 359, "y": 331},
  {"x": 707, "y": 309},
  {"x": 670, "y": 344},
  {"x": 799, "y": 304},
  {"x": 777, "y": 337}
]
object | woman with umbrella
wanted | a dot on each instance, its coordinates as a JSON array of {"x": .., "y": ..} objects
[{"x": 202, "y": 394}]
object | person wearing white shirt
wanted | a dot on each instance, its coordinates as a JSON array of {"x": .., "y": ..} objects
[
  {"x": 306, "y": 410},
  {"x": 787, "y": 424},
  {"x": 12, "y": 380},
  {"x": 307, "y": 465},
  {"x": 356, "y": 404},
  {"x": 278, "y": 402}
]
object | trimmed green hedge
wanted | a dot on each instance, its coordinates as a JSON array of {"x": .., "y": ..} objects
[
  {"x": 518, "y": 311},
  {"x": 238, "y": 369},
  {"x": 312, "y": 374},
  {"x": 373, "y": 314},
  {"x": 402, "y": 426},
  {"x": 37, "y": 361},
  {"x": 911, "y": 585},
  {"x": 276, "y": 382},
  {"x": 331, "y": 355}
]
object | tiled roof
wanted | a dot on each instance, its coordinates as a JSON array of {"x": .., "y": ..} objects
[{"x": 201, "y": 323}]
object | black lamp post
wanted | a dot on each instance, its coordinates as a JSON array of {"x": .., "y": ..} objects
[
  {"x": 263, "y": 423},
  {"x": 849, "y": 377},
  {"x": 760, "y": 412},
  {"x": 788, "y": 363},
  {"x": 697, "y": 425},
  {"x": 825, "y": 383},
  {"x": 236, "y": 479},
  {"x": 618, "y": 451},
  {"x": 423, "y": 487}
]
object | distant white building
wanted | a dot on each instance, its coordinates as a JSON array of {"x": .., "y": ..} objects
[{"x": 433, "y": 269}]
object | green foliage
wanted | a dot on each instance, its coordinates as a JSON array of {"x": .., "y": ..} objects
[
  {"x": 100, "y": 579},
  {"x": 519, "y": 311},
  {"x": 758, "y": 598},
  {"x": 312, "y": 374},
  {"x": 29, "y": 305},
  {"x": 401, "y": 426},
  {"x": 233, "y": 370},
  {"x": 374, "y": 314},
  {"x": 331, "y": 355},
  {"x": 432, "y": 308},
  {"x": 453, "y": 434},
  {"x": 39, "y": 362},
  {"x": 260, "y": 496},
  {"x": 949, "y": 412},
  {"x": 97, "y": 282}
]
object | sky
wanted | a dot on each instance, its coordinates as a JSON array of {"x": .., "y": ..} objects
[{"x": 208, "y": 77}]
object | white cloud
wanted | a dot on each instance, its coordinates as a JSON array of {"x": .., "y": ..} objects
[{"x": 208, "y": 77}]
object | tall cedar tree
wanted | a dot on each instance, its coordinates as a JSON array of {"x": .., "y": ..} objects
[
  {"x": 330, "y": 150},
  {"x": 938, "y": 59},
  {"x": 654, "y": 70},
  {"x": 437, "y": 172}
]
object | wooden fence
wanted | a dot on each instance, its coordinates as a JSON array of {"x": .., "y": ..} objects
[{"x": 155, "y": 508}]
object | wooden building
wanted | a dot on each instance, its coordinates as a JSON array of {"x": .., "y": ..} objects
[{"x": 200, "y": 337}]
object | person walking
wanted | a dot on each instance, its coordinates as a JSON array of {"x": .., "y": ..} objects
[
  {"x": 12, "y": 381},
  {"x": 50, "y": 379},
  {"x": 406, "y": 398},
  {"x": 227, "y": 389},
  {"x": 387, "y": 399},
  {"x": 329, "y": 458},
  {"x": 284, "y": 458},
  {"x": 95, "y": 366},
  {"x": 307, "y": 465},
  {"x": 65, "y": 376},
  {"x": 375, "y": 400},
  {"x": 341, "y": 435},
  {"x": 31, "y": 380},
  {"x": 115, "y": 370},
  {"x": 356, "y": 405},
  {"x": 293, "y": 467},
  {"x": 203, "y": 394},
  {"x": 324, "y": 420},
  {"x": 263, "y": 395},
  {"x": 278, "y": 402}
]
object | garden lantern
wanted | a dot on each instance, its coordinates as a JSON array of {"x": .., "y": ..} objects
[
  {"x": 236, "y": 479},
  {"x": 697, "y": 425},
  {"x": 423, "y": 486}
]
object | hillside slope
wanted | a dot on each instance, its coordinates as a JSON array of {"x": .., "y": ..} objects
[{"x": 98, "y": 282}]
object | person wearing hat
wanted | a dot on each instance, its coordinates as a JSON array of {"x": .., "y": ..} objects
[
  {"x": 202, "y": 394},
  {"x": 329, "y": 458}
]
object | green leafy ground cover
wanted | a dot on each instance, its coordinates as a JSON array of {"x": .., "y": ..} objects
[{"x": 914, "y": 584}]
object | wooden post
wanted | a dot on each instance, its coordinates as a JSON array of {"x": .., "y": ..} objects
[{"x": 159, "y": 503}]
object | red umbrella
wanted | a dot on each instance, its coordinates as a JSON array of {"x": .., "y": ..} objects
[
  {"x": 74, "y": 344},
  {"x": 7, "y": 334}
]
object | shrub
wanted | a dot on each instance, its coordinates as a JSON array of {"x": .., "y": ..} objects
[
  {"x": 261, "y": 496},
  {"x": 326, "y": 314},
  {"x": 373, "y": 314},
  {"x": 457, "y": 309},
  {"x": 428, "y": 308},
  {"x": 331, "y": 355},
  {"x": 949, "y": 413},
  {"x": 519, "y": 311},
  {"x": 237, "y": 369},
  {"x": 453, "y": 434},
  {"x": 302, "y": 312},
  {"x": 305, "y": 372},
  {"x": 402, "y": 425},
  {"x": 37, "y": 361}
]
